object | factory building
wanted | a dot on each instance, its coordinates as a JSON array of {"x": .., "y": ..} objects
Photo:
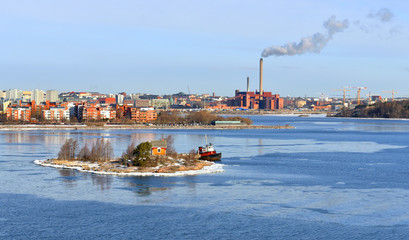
[{"x": 256, "y": 100}]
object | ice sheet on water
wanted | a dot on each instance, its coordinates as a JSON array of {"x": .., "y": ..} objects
[
  {"x": 250, "y": 147},
  {"x": 359, "y": 207}
]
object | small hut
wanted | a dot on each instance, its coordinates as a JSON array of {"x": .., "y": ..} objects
[{"x": 159, "y": 147}]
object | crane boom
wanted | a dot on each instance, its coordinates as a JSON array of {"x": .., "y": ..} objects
[
  {"x": 358, "y": 98},
  {"x": 393, "y": 94},
  {"x": 344, "y": 90}
]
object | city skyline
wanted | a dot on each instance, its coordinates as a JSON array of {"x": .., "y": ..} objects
[{"x": 205, "y": 47}]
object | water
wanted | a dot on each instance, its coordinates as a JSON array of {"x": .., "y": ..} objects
[{"x": 327, "y": 179}]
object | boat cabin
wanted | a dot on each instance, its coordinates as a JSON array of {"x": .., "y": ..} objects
[{"x": 207, "y": 149}]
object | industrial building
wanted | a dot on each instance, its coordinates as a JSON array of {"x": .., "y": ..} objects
[
  {"x": 252, "y": 100},
  {"x": 255, "y": 100}
]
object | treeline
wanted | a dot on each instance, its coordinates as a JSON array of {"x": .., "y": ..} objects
[
  {"x": 201, "y": 117},
  {"x": 100, "y": 151},
  {"x": 397, "y": 109}
]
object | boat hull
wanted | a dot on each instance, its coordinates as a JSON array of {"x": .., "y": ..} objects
[{"x": 212, "y": 157}]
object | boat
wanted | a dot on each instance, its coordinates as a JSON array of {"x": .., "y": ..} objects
[{"x": 208, "y": 153}]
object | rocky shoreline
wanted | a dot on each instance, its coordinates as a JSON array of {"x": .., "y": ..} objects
[{"x": 202, "y": 167}]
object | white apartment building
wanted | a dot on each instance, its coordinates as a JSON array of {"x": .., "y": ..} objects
[
  {"x": 37, "y": 96},
  {"x": 13, "y": 94},
  {"x": 56, "y": 113},
  {"x": 52, "y": 96}
]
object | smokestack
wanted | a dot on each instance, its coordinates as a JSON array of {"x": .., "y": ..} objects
[
  {"x": 248, "y": 84},
  {"x": 261, "y": 78}
]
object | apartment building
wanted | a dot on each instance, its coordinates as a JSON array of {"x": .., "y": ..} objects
[
  {"x": 142, "y": 115},
  {"x": 3, "y": 105},
  {"x": 37, "y": 95},
  {"x": 13, "y": 94},
  {"x": 57, "y": 113},
  {"x": 95, "y": 111},
  {"x": 19, "y": 113},
  {"x": 107, "y": 113},
  {"x": 52, "y": 96}
]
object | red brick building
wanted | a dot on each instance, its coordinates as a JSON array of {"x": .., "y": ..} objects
[
  {"x": 107, "y": 101},
  {"x": 253, "y": 100},
  {"x": 142, "y": 115},
  {"x": 96, "y": 112}
]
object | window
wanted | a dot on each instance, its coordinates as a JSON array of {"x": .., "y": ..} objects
[{"x": 159, "y": 149}]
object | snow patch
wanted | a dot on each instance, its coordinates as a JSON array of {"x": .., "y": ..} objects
[{"x": 214, "y": 168}]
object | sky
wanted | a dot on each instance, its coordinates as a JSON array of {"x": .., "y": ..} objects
[{"x": 309, "y": 48}]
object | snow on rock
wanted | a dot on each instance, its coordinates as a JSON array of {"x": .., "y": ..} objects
[{"x": 213, "y": 168}]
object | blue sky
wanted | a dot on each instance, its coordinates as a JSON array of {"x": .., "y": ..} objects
[{"x": 164, "y": 47}]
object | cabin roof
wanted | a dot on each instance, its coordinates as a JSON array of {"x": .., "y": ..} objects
[{"x": 159, "y": 143}]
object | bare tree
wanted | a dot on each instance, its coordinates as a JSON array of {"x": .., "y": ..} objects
[
  {"x": 85, "y": 153},
  {"x": 101, "y": 151},
  {"x": 170, "y": 148},
  {"x": 96, "y": 151},
  {"x": 64, "y": 151},
  {"x": 108, "y": 151},
  {"x": 74, "y": 149},
  {"x": 129, "y": 151},
  {"x": 68, "y": 150}
]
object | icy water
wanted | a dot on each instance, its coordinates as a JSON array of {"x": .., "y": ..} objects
[{"x": 326, "y": 179}]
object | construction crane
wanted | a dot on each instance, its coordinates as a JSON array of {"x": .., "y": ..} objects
[
  {"x": 358, "y": 98},
  {"x": 369, "y": 97},
  {"x": 344, "y": 90},
  {"x": 393, "y": 94}
]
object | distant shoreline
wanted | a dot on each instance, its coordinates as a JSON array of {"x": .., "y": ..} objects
[
  {"x": 114, "y": 127},
  {"x": 275, "y": 112}
]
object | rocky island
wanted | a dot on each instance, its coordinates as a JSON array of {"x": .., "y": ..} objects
[{"x": 156, "y": 158}]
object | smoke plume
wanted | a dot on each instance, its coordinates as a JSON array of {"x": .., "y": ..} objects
[
  {"x": 314, "y": 43},
  {"x": 383, "y": 15},
  {"x": 379, "y": 20}
]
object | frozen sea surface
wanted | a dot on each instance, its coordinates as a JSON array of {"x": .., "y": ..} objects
[{"x": 326, "y": 179}]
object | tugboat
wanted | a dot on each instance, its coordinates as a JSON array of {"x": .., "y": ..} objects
[{"x": 208, "y": 153}]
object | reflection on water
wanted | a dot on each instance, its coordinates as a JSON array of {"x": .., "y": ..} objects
[
  {"x": 102, "y": 181},
  {"x": 142, "y": 137},
  {"x": 260, "y": 149},
  {"x": 59, "y": 137},
  {"x": 69, "y": 177},
  {"x": 144, "y": 190}
]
